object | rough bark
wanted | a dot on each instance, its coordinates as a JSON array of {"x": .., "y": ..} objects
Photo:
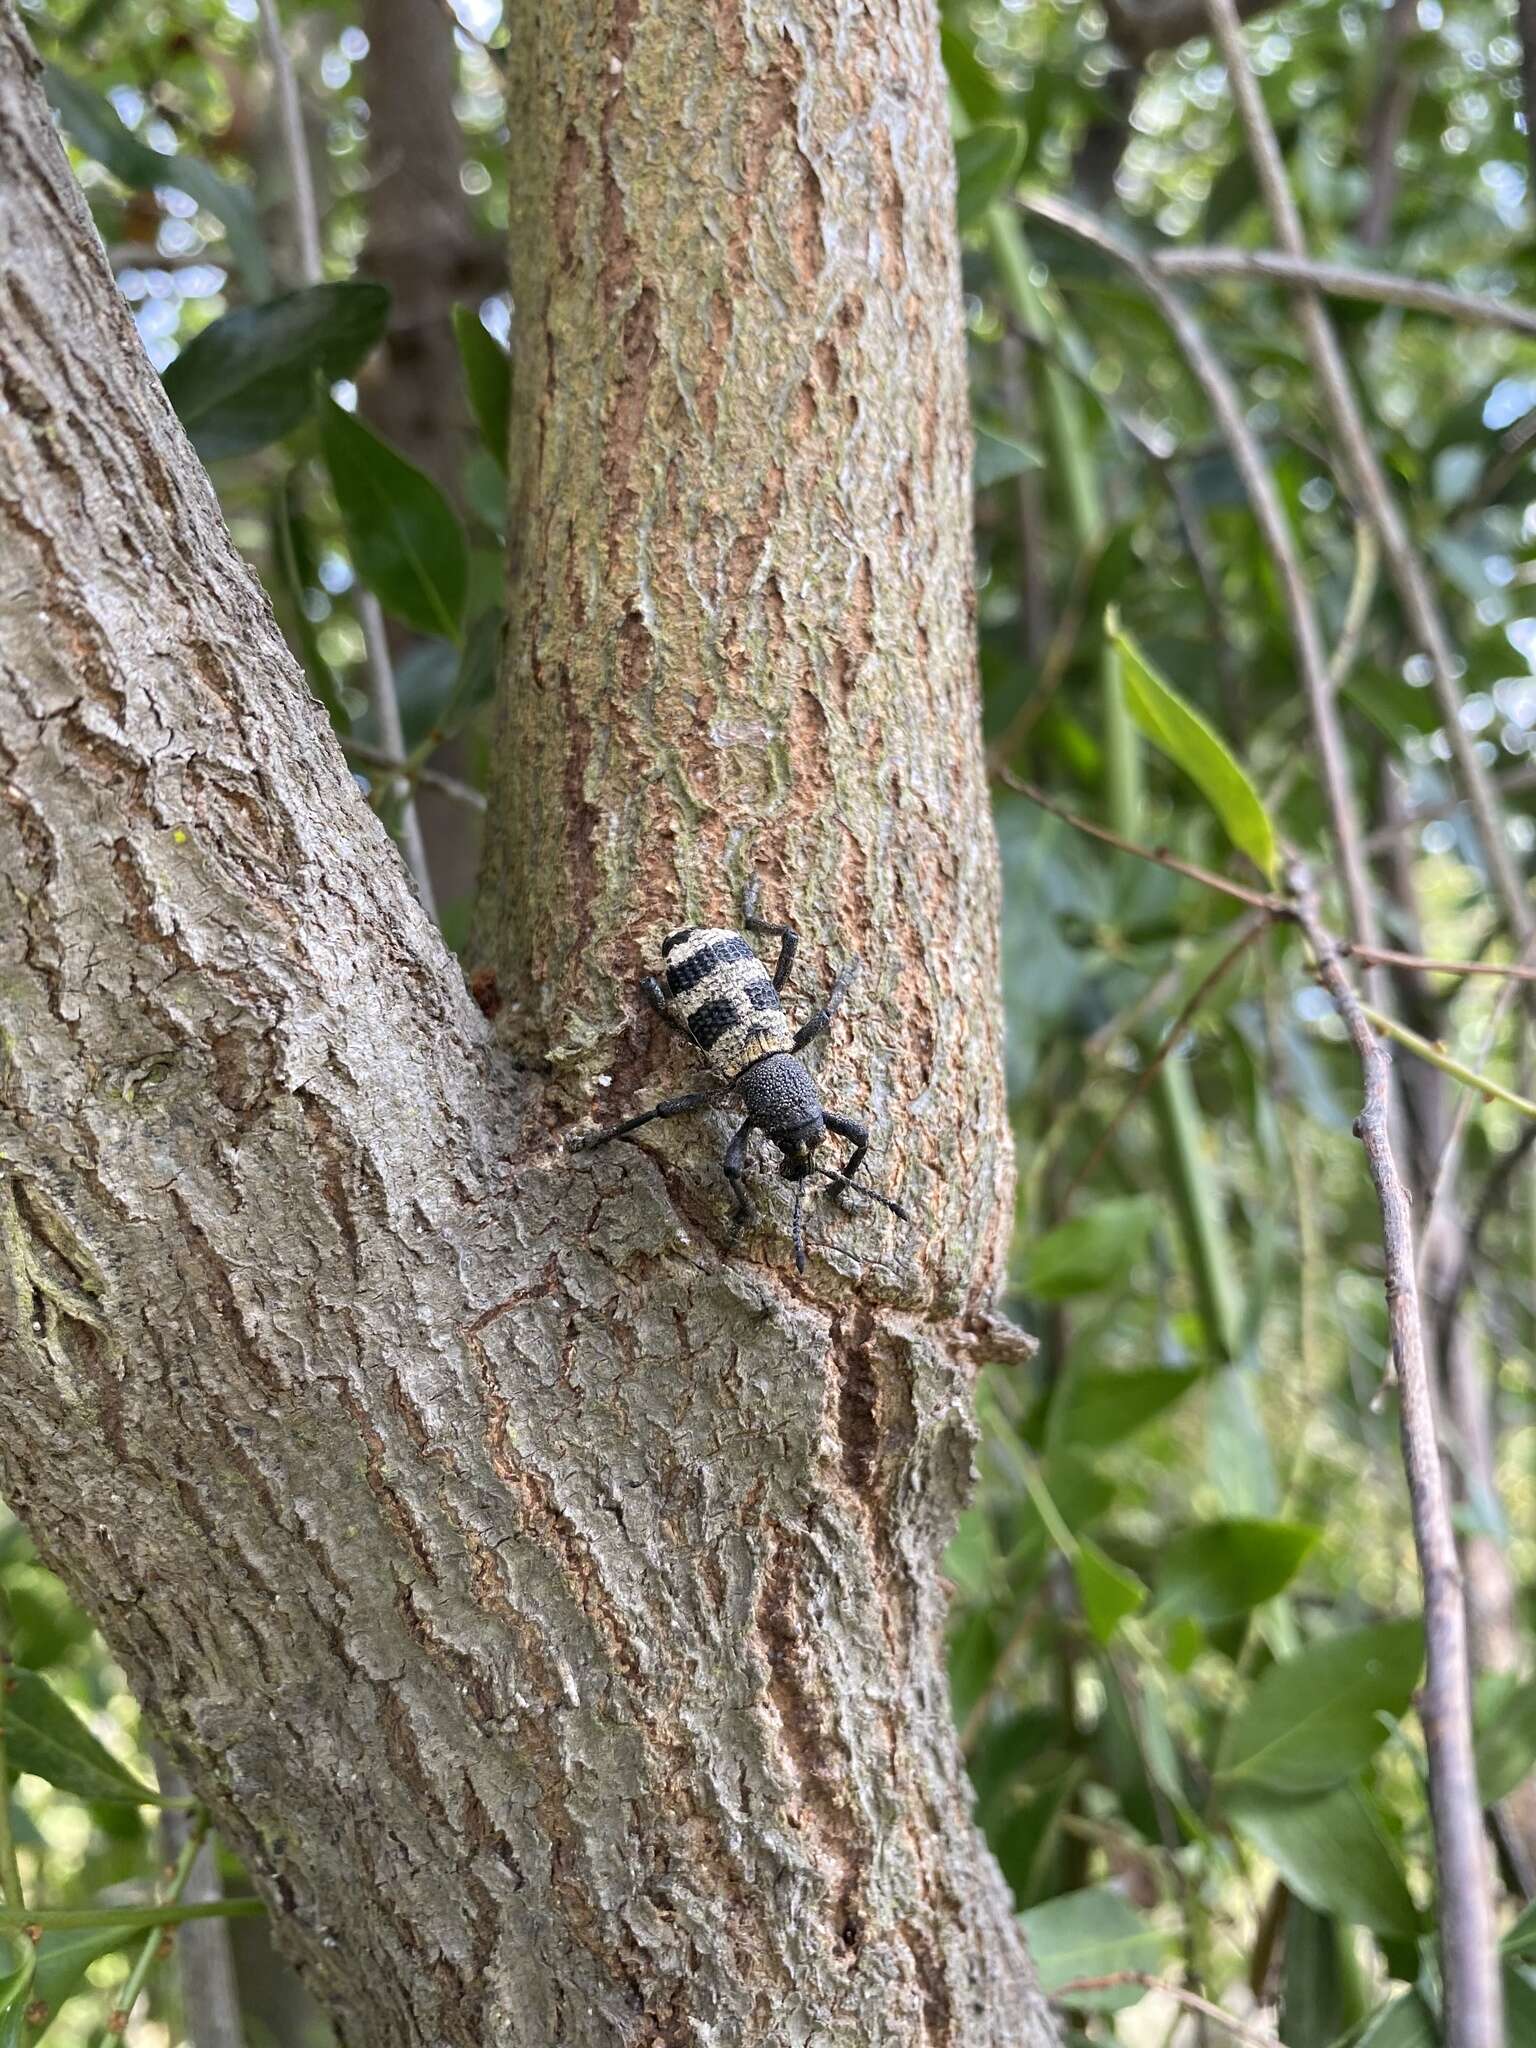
[{"x": 545, "y": 1601}]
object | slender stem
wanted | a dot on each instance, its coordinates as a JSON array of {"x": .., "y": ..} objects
[
  {"x": 424, "y": 778},
  {"x": 386, "y": 711},
  {"x": 1514, "y": 783},
  {"x": 1468, "y": 1949},
  {"x": 1191, "y": 2000},
  {"x": 1255, "y": 898},
  {"x": 10, "y": 1870},
  {"x": 1248, "y": 930},
  {"x": 1383, "y": 956},
  {"x": 1367, "y": 475},
  {"x": 118, "y": 2023},
  {"x": 1362, "y": 592},
  {"x": 1274, "y": 523},
  {"x": 290, "y": 114},
  {"x": 1344, "y": 281},
  {"x": 131, "y": 1919},
  {"x": 1490, "y": 1090},
  {"x": 1444, "y": 1172},
  {"x": 381, "y": 673}
]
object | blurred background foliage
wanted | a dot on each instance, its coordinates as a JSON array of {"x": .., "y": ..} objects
[{"x": 1184, "y": 1636}]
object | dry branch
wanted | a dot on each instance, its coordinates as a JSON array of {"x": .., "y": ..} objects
[
  {"x": 1468, "y": 1945},
  {"x": 1345, "y": 281}
]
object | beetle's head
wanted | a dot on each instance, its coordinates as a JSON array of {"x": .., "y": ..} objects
[{"x": 798, "y": 1146}]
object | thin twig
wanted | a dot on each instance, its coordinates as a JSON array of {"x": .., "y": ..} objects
[
  {"x": 1275, "y": 906},
  {"x": 306, "y": 224},
  {"x": 1468, "y": 1949},
  {"x": 1274, "y": 523},
  {"x": 1344, "y": 281},
  {"x": 1490, "y": 1090},
  {"x": 117, "y": 2024},
  {"x": 1444, "y": 1170},
  {"x": 1383, "y": 956},
  {"x": 1114, "y": 1979},
  {"x": 10, "y": 1871},
  {"x": 1515, "y": 783},
  {"x": 1365, "y": 471},
  {"x": 424, "y": 778},
  {"x": 1058, "y": 655},
  {"x": 1357, "y": 608},
  {"x": 306, "y": 215},
  {"x": 385, "y": 701},
  {"x": 1248, "y": 929}
]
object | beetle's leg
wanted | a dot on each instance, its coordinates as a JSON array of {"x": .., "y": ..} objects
[
  {"x": 857, "y": 1135},
  {"x": 679, "y": 1105},
  {"x": 735, "y": 1159},
  {"x": 815, "y": 1025},
  {"x": 787, "y": 936},
  {"x": 656, "y": 996}
]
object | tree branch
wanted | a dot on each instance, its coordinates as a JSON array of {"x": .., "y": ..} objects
[
  {"x": 1274, "y": 524},
  {"x": 1345, "y": 281},
  {"x": 1468, "y": 1947},
  {"x": 1366, "y": 474},
  {"x": 1190, "y": 2000}
]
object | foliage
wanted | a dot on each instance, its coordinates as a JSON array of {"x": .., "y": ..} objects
[{"x": 1207, "y": 1768}]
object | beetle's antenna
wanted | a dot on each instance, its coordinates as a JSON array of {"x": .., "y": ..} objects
[
  {"x": 799, "y": 1227},
  {"x": 864, "y": 1188}
]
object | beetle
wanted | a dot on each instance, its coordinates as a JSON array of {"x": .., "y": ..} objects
[{"x": 716, "y": 992}]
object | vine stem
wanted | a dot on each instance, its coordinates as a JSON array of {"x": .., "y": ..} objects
[
  {"x": 118, "y": 2023},
  {"x": 1468, "y": 1947},
  {"x": 10, "y": 1870}
]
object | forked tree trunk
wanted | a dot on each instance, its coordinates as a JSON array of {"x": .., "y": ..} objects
[{"x": 545, "y": 1599}]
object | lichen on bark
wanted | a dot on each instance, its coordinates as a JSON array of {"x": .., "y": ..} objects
[{"x": 546, "y": 1600}]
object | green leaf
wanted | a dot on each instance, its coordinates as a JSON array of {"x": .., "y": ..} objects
[
  {"x": 95, "y": 127},
  {"x": 1192, "y": 745},
  {"x": 64, "y": 1956},
  {"x": 1506, "y": 1744},
  {"x": 1321, "y": 1988},
  {"x": 15, "y": 1996},
  {"x": 1108, "y": 1592},
  {"x": 1091, "y": 1933},
  {"x": 1333, "y": 1851},
  {"x": 47, "y": 1738},
  {"x": 1314, "y": 1719},
  {"x": 974, "y": 86},
  {"x": 251, "y": 377},
  {"x": 1094, "y": 1250},
  {"x": 488, "y": 380},
  {"x": 1023, "y": 1841},
  {"x": 1521, "y": 1938},
  {"x": 999, "y": 455},
  {"x": 1095, "y": 1409},
  {"x": 986, "y": 161},
  {"x": 406, "y": 541},
  {"x": 1404, "y": 2022},
  {"x": 1225, "y": 1568}
]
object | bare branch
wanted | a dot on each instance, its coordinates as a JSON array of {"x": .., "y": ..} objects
[
  {"x": 1274, "y": 906},
  {"x": 1191, "y": 2000},
  {"x": 381, "y": 674},
  {"x": 1248, "y": 929},
  {"x": 1365, "y": 471},
  {"x": 425, "y": 778},
  {"x": 1344, "y": 281},
  {"x": 1469, "y": 1961},
  {"x": 1274, "y": 524},
  {"x": 1384, "y": 956}
]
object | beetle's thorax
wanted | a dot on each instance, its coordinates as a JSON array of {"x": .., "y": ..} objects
[{"x": 780, "y": 1097}]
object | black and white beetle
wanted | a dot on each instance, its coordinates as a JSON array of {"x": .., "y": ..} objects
[{"x": 717, "y": 994}]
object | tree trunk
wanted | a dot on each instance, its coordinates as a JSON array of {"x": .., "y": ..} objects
[{"x": 544, "y": 1598}]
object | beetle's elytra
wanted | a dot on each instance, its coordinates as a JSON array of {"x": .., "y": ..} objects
[{"x": 719, "y": 995}]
